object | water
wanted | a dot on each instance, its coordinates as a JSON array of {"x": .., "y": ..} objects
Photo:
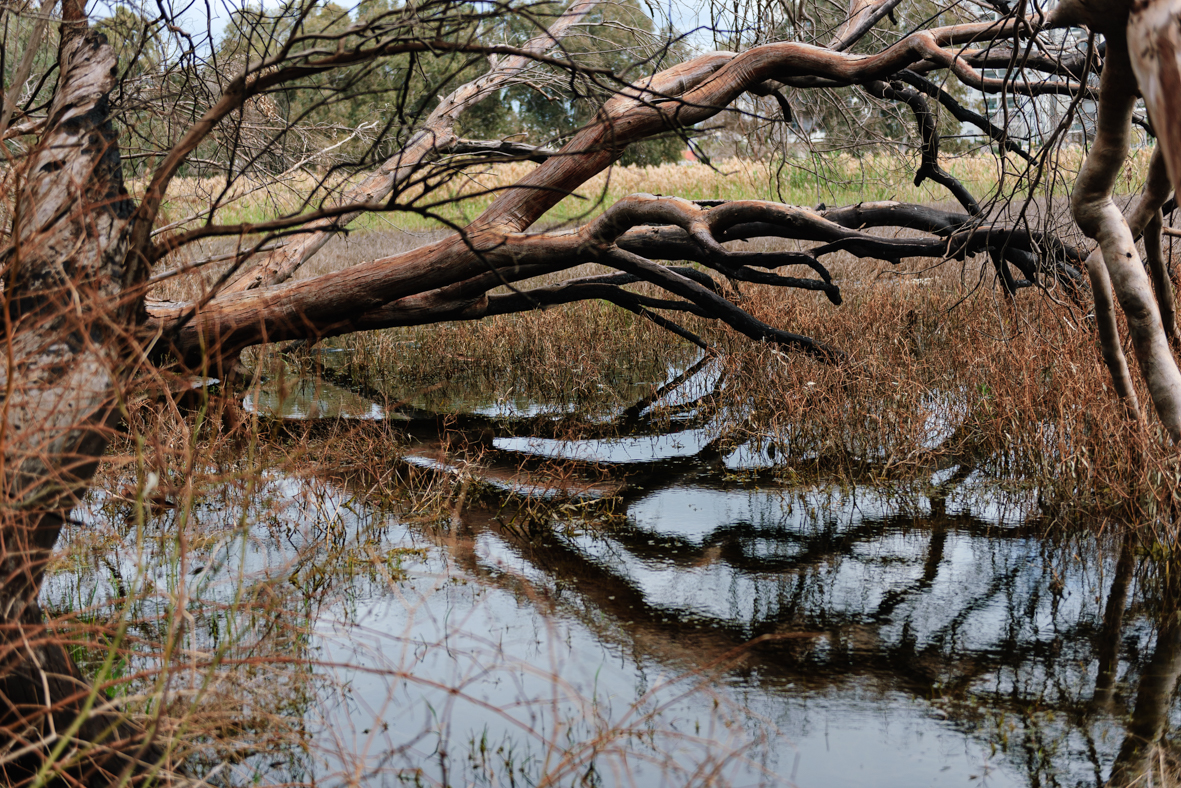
[{"x": 685, "y": 619}]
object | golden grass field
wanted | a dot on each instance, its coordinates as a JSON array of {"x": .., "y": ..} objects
[{"x": 458, "y": 197}]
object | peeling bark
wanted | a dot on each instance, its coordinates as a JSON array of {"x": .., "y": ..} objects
[
  {"x": 1154, "y": 39},
  {"x": 66, "y": 351}
]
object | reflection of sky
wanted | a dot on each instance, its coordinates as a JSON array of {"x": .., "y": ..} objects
[
  {"x": 615, "y": 450},
  {"x": 529, "y": 653}
]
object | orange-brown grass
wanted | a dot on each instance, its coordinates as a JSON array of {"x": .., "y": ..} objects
[{"x": 942, "y": 370}]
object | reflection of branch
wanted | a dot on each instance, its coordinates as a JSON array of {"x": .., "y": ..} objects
[
  {"x": 602, "y": 594},
  {"x": 632, "y": 413},
  {"x": 1153, "y": 701},
  {"x": 1111, "y": 635}
]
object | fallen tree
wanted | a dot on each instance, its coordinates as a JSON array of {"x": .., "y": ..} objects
[{"x": 83, "y": 325}]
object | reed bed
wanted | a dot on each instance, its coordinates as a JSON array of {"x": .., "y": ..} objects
[{"x": 944, "y": 372}]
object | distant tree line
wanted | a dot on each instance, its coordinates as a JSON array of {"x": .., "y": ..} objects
[
  {"x": 352, "y": 118},
  {"x": 365, "y": 113}
]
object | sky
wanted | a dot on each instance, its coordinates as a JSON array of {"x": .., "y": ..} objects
[{"x": 197, "y": 16}]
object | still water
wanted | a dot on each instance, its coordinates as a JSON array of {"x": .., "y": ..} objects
[{"x": 685, "y": 617}]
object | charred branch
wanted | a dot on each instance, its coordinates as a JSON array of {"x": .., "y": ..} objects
[
  {"x": 929, "y": 134},
  {"x": 962, "y": 113}
]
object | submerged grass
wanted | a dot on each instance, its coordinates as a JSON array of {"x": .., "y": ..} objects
[
  {"x": 589, "y": 358},
  {"x": 240, "y": 613}
]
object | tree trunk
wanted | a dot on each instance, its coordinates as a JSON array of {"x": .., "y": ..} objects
[
  {"x": 1099, "y": 217},
  {"x": 67, "y": 341}
]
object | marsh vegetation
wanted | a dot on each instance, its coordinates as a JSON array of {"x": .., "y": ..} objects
[
  {"x": 446, "y": 393},
  {"x": 566, "y": 547}
]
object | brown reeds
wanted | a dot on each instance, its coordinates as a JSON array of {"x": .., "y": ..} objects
[{"x": 942, "y": 371}]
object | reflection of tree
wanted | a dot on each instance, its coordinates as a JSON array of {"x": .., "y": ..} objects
[
  {"x": 999, "y": 639},
  {"x": 1113, "y": 618},
  {"x": 1013, "y": 637},
  {"x": 923, "y": 637},
  {"x": 1149, "y": 717},
  {"x": 1014, "y": 641},
  {"x": 266, "y": 564}
]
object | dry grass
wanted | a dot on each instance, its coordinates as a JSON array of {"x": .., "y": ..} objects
[
  {"x": 590, "y": 357},
  {"x": 942, "y": 372},
  {"x": 458, "y": 197}
]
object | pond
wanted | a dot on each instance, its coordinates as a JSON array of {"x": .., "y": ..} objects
[{"x": 671, "y": 609}]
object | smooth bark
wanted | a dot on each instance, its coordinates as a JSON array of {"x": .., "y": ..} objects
[{"x": 1099, "y": 217}]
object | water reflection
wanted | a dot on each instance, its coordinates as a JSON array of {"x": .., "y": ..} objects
[
  {"x": 682, "y": 625},
  {"x": 310, "y": 398}
]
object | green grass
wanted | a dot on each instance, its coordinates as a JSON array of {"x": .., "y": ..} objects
[{"x": 834, "y": 179}]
